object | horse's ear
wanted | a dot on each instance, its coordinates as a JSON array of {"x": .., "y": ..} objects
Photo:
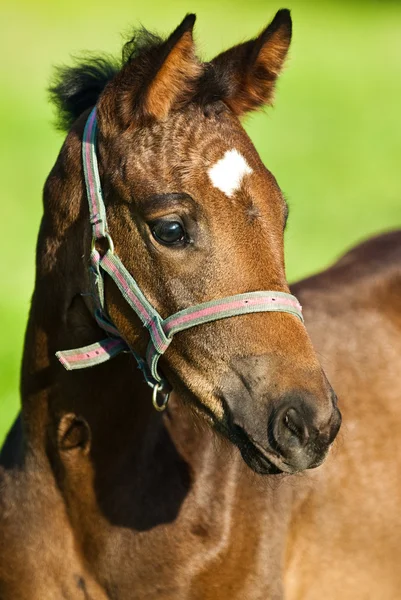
[
  {"x": 157, "y": 76},
  {"x": 246, "y": 74},
  {"x": 176, "y": 75}
]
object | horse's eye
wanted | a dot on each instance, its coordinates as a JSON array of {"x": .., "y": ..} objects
[{"x": 169, "y": 233}]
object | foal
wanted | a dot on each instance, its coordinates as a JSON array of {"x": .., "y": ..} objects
[{"x": 102, "y": 496}]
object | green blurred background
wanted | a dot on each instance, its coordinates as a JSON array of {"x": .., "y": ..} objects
[{"x": 333, "y": 139}]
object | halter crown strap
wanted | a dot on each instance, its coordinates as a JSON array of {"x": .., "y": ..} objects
[
  {"x": 161, "y": 331},
  {"x": 97, "y": 209}
]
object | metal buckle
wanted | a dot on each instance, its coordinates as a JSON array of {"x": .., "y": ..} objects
[
  {"x": 107, "y": 237},
  {"x": 166, "y": 395}
]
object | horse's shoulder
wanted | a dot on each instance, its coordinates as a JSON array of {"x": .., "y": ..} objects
[
  {"x": 12, "y": 476},
  {"x": 13, "y": 527},
  {"x": 38, "y": 549}
]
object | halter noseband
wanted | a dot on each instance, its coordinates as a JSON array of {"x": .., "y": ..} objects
[{"x": 160, "y": 330}]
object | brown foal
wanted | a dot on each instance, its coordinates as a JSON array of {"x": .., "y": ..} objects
[{"x": 103, "y": 497}]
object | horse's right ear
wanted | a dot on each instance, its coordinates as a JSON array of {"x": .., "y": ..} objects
[
  {"x": 244, "y": 76},
  {"x": 158, "y": 77}
]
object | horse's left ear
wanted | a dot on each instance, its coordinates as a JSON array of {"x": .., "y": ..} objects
[{"x": 245, "y": 75}]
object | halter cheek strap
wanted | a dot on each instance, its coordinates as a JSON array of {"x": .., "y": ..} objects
[{"x": 161, "y": 331}]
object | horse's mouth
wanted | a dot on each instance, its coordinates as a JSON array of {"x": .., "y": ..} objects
[
  {"x": 260, "y": 460},
  {"x": 266, "y": 461},
  {"x": 259, "y": 463}
]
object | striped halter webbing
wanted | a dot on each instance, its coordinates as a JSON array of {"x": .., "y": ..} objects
[{"x": 160, "y": 330}]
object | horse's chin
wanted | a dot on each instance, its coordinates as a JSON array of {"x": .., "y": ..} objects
[
  {"x": 262, "y": 461},
  {"x": 260, "y": 464}
]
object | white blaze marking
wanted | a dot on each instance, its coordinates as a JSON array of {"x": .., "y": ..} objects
[{"x": 228, "y": 172}]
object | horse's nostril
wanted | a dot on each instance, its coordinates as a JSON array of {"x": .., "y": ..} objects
[
  {"x": 294, "y": 422},
  {"x": 300, "y": 433},
  {"x": 290, "y": 433}
]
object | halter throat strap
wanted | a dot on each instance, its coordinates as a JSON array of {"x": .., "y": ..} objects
[{"x": 161, "y": 331}]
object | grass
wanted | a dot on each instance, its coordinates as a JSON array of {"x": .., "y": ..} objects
[{"x": 332, "y": 141}]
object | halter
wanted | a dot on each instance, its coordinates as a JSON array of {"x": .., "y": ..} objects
[{"x": 161, "y": 331}]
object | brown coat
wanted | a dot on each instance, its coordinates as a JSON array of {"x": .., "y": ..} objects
[{"x": 102, "y": 497}]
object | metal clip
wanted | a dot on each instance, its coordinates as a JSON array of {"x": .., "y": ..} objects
[
  {"x": 166, "y": 395},
  {"x": 106, "y": 237}
]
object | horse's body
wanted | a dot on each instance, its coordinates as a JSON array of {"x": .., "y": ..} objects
[
  {"x": 102, "y": 497},
  {"x": 346, "y": 537},
  {"x": 188, "y": 519}
]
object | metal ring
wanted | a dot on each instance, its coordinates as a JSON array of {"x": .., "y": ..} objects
[
  {"x": 110, "y": 242},
  {"x": 156, "y": 390}
]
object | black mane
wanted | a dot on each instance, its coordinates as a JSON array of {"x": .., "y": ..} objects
[{"x": 75, "y": 89}]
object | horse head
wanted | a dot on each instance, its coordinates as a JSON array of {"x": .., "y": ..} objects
[{"x": 195, "y": 216}]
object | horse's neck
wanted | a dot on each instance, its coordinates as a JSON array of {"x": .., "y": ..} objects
[
  {"x": 144, "y": 479},
  {"x": 138, "y": 466},
  {"x": 112, "y": 399}
]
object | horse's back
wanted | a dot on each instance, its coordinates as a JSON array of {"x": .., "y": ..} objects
[{"x": 346, "y": 536}]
